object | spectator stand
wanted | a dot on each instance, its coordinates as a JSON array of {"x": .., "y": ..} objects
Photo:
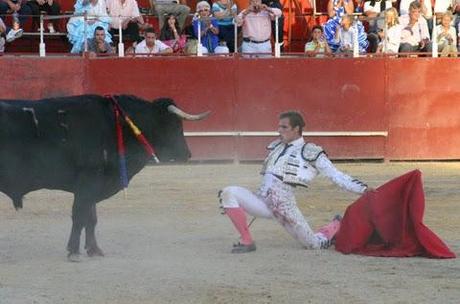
[{"x": 44, "y": 42}]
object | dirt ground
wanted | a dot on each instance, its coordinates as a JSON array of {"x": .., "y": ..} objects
[{"x": 167, "y": 243}]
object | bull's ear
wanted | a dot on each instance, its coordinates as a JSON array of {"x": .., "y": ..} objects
[{"x": 175, "y": 110}]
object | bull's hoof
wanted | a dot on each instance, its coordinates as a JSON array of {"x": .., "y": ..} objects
[
  {"x": 74, "y": 257},
  {"x": 92, "y": 252}
]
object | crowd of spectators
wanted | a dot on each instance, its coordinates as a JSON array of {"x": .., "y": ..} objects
[
  {"x": 367, "y": 26},
  {"x": 383, "y": 27}
]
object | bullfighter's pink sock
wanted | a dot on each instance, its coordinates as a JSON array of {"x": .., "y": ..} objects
[
  {"x": 330, "y": 230},
  {"x": 238, "y": 217}
]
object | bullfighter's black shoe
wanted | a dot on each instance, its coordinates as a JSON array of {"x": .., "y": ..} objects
[{"x": 242, "y": 248}]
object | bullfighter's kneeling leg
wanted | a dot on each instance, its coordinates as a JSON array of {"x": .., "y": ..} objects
[
  {"x": 92, "y": 249},
  {"x": 237, "y": 201},
  {"x": 295, "y": 224}
]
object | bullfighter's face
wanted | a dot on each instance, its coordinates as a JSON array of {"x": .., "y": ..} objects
[{"x": 286, "y": 131}]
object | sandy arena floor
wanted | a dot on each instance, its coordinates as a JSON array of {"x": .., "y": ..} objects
[{"x": 167, "y": 243}]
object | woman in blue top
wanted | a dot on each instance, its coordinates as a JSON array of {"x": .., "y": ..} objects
[
  {"x": 96, "y": 11},
  {"x": 336, "y": 10},
  {"x": 225, "y": 11},
  {"x": 209, "y": 27}
]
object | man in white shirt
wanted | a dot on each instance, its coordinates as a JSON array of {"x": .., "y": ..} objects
[
  {"x": 426, "y": 10},
  {"x": 125, "y": 13},
  {"x": 415, "y": 36},
  {"x": 150, "y": 45},
  {"x": 290, "y": 162}
]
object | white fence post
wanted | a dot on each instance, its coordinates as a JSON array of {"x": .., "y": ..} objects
[
  {"x": 121, "y": 45},
  {"x": 235, "y": 35},
  {"x": 385, "y": 34},
  {"x": 42, "y": 47},
  {"x": 355, "y": 39},
  {"x": 434, "y": 38},
  {"x": 85, "y": 32},
  {"x": 277, "y": 44},
  {"x": 199, "y": 51}
]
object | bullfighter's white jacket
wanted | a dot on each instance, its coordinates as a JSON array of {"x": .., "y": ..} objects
[{"x": 298, "y": 163}]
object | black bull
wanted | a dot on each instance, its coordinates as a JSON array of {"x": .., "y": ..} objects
[{"x": 70, "y": 144}]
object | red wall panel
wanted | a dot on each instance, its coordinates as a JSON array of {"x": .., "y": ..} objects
[
  {"x": 333, "y": 95},
  {"x": 414, "y": 99},
  {"x": 424, "y": 120},
  {"x": 247, "y": 95},
  {"x": 196, "y": 84},
  {"x": 34, "y": 78}
]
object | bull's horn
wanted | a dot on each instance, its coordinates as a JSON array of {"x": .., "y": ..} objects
[{"x": 186, "y": 116}]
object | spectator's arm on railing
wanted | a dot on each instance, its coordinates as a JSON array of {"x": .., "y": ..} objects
[
  {"x": 273, "y": 12},
  {"x": 241, "y": 16}
]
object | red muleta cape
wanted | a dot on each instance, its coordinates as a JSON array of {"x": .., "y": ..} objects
[{"x": 389, "y": 223}]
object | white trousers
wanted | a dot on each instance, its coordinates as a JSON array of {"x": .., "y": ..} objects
[
  {"x": 250, "y": 47},
  {"x": 279, "y": 203}
]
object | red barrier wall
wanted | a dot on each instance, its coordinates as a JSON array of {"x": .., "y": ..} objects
[
  {"x": 415, "y": 100},
  {"x": 33, "y": 78},
  {"x": 247, "y": 95},
  {"x": 424, "y": 120}
]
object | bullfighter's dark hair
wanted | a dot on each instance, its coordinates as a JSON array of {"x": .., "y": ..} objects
[
  {"x": 295, "y": 119},
  {"x": 99, "y": 28}
]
